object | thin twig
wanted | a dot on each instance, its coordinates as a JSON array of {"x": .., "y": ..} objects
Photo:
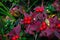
[{"x": 28, "y": 3}]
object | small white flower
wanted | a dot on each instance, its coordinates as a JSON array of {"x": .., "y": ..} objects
[{"x": 34, "y": 19}]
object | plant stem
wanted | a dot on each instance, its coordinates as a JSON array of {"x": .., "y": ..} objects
[
  {"x": 36, "y": 36},
  {"x": 28, "y": 3},
  {"x": 31, "y": 5}
]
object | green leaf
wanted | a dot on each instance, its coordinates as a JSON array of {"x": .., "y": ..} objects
[
  {"x": 23, "y": 38},
  {"x": 4, "y": 0},
  {"x": 11, "y": 25},
  {"x": 21, "y": 33},
  {"x": 50, "y": 8},
  {"x": 7, "y": 23},
  {"x": 11, "y": 0},
  {"x": 0, "y": 17},
  {"x": 4, "y": 38},
  {"x": 2, "y": 31}
]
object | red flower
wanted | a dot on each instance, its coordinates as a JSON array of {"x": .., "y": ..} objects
[
  {"x": 58, "y": 25},
  {"x": 43, "y": 26},
  {"x": 39, "y": 9},
  {"x": 15, "y": 37},
  {"x": 43, "y": 23},
  {"x": 27, "y": 20},
  {"x": 41, "y": 29}
]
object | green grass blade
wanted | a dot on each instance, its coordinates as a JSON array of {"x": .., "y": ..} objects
[
  {"x": 2, "y": 10},
  {"x": 0, "y": 17},
  {"x": 3, "y": 13},
  {"x": 6, "y": 13},
  {"x": 31, "y": 6},
  {"x": 3, "y": 6}
]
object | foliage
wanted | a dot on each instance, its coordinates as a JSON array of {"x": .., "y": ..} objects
[{"x": 17, "y": 17}]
